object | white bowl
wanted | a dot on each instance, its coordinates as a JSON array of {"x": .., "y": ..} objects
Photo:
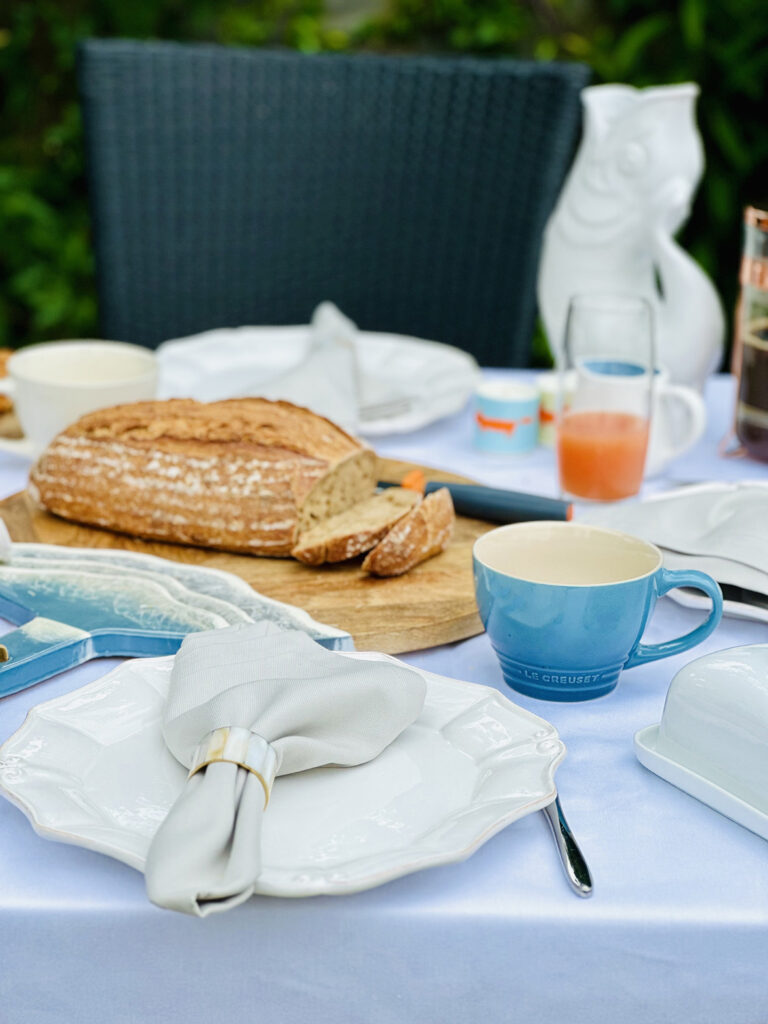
[{"x": 712, "y": 741}]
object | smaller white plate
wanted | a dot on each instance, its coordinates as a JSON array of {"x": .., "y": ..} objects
[
  {"x": 91, "y": 768},
  {"x": 696, "y": 785}
]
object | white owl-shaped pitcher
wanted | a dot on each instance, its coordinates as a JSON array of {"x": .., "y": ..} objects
[{"x": 629, "y": 191}]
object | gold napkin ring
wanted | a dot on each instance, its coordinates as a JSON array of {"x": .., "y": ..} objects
[{"x": 240, "y": 746}]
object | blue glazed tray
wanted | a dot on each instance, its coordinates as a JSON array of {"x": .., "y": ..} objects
[{"x": 74, "y": 604}]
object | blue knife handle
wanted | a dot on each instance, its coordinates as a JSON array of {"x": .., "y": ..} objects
[{"x": 497, "y": 505}]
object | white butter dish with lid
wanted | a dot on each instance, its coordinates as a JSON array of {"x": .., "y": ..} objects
[{"x": 712, "y": 741}]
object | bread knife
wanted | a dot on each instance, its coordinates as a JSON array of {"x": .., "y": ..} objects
[{"x": 497, "y": 505}]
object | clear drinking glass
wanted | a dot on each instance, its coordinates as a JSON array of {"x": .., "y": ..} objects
[{"x": 608, "y": 360}]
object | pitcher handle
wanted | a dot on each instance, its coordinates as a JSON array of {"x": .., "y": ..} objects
[{"x": 668, "y": 580}]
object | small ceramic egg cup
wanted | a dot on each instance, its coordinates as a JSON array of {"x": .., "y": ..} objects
[{"x": 712, "y": 741}]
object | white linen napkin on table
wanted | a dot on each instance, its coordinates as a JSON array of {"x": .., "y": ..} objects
[
  {"x": 719, "y": 528},
  {"x": 321, "y": 373},
  {"x": 313, "y": 706}
]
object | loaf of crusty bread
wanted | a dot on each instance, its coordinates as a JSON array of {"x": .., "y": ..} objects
[
  {"x": 244, "y": 475},
  {"x": 350, "y": 533},
  {"x": 425, "y": 531}
]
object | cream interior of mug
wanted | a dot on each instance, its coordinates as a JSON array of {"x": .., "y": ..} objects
[
  {"x": 82, "y": 363},
  {"x": 566, "y": 554}
]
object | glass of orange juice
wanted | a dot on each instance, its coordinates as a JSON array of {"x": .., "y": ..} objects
[{"x": 609, "y": 357}]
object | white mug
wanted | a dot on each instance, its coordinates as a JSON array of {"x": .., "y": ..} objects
[
  {"x": 56, "y": 382},
  {"x": 678, "y": 413}
]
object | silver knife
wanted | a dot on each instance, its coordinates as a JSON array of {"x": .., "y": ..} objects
[{"x": 572, "y": 858}]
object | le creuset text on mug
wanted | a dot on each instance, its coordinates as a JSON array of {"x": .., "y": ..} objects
[{"x": 565, "y": 605}]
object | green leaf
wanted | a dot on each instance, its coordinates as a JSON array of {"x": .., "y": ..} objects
[
  {"x": 721, "y": 199},
  {"x": 636, "y": 40},
  {"x": 692, "y": 17},
  {"x": 576, "y": 45},
  {"x": 727, "y": 133},
  {"x": 541, "y": 353},
  {"x": 546, "y": 49}
]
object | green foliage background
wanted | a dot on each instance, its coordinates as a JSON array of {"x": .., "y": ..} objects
[{"x": 46, "y": 268}]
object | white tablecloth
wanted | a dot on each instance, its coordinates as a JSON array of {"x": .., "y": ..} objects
[{"x": 677, "y": 930}]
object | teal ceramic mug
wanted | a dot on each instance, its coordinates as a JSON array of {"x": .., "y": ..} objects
[{"x": 565, "y": 605}]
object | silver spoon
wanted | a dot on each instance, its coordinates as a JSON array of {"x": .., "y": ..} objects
[{"x": 575, "y": 866}]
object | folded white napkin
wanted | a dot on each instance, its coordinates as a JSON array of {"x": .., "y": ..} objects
[
  {"x": 327, "y": 379},
  {"x": 316, "y": 367},
  {"x": 312, "y": 706},
  {"x": 718, "y": 528}
]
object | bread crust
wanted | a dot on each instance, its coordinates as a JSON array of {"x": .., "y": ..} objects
[
  {"x": 424, "y": 532},
  {"x": 235, "y": 475},
  {"x": 346, "y": 536}
]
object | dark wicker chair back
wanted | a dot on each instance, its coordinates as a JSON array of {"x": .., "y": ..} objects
[{"x": 234, "y": 186}]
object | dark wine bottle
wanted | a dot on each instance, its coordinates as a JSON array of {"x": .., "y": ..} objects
[{"x": 751, "y": 342}]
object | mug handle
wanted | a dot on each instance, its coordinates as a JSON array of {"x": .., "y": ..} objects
[
  {"x": 697, "y": 419},
  {"x": 669, "y": 579},
  {"x": 18, "y": 445}
]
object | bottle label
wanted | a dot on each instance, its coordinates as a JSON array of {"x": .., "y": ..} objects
[
  {"x": 749, "y": 414},
  {"x": 756, "y": 335},
  {"x": 754, "y": 273}
]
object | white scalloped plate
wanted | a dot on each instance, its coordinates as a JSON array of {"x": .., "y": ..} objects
[
  {"x": 91, "y": 768},
  {"x": 410, "y": 381}
]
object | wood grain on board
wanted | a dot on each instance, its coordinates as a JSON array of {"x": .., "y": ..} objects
[{"x": 432, "y": 604}]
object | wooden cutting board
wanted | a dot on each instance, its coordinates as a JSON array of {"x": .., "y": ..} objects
[{"x": 432, "y": 604}]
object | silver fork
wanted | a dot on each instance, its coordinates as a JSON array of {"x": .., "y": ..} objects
[
  {"x": 572, "y": 858},
  {"x": 379, "y": 410}
]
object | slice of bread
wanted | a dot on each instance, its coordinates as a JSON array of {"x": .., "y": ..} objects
[
  {"x": 356, "y": 530},
  {"x": 424, "y": 532}
]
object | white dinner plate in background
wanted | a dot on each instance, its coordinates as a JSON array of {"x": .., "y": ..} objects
[{"x": 405, "y": 383}]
